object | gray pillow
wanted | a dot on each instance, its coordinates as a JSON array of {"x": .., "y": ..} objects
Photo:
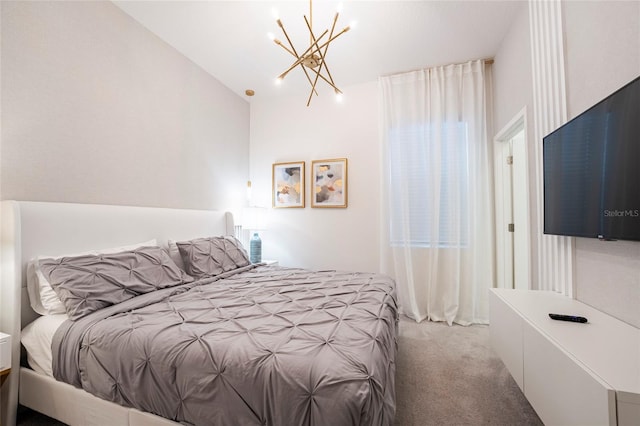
[
  {"x": 207, "y": 257},
  {"x": 91, "y": 282}
]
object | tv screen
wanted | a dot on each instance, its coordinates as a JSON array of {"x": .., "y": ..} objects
[{"x": 592, "y": 171}]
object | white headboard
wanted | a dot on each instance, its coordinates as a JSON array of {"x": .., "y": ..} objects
[{"x": 29, "y": 229}]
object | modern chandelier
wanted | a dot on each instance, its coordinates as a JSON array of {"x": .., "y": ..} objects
[{"x": 313, "y": 59}]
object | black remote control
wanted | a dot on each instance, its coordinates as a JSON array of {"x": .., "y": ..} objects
[{"x": 571, "y": 318}]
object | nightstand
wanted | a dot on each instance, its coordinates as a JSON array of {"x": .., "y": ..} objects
[
  {"x": 5, "y": 352},
  {"x": 3, "y": 375},
  {"x": 5, "y": 356}
]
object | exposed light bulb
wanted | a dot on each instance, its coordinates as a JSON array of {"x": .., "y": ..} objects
[
  {"x": 339, "y": 97},
  {"x": 271, "y": 36},
  {"x": 275, "y": 14},
  {"x": 279, "y": 81},
  {"x": 353, "y": 24},
  {"x": 339, "y": 8}
]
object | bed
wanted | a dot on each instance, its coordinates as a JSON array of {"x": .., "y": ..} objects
[{"x": 242, "y": 344}]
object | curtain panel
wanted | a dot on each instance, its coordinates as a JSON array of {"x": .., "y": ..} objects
[{"x": 437, "y": 191}]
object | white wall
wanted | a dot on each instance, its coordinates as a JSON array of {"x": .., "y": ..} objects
[
  {"x": 97, "y": 109},
  {"x": 512, "y": 74},
  {"x": 603, "y": 54},
  {"x": 513, "y": 91},
  {"x": 284, "y": 129},
  {"x": 602, "y": 47}
]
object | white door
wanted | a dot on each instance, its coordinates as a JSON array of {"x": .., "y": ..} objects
[
  {"x": 520, "y": 203},
  {"x": 512, "y": 206},
  {"x": 504, "y": 214}
]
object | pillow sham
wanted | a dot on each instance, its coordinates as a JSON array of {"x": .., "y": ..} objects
[
  {"x": 37, "y": 338},
  {"x": 207, "y": 257},
  {"x": 43, "y": 298},
  {"x": 91, "y": 282}
]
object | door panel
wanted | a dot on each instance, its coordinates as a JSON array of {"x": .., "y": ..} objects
[
  {"x": 511, "y": 170},
  {"x": 520, "y": 201}
]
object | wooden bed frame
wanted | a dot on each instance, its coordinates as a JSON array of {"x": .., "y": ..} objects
[{"x": 30, "y": 229}]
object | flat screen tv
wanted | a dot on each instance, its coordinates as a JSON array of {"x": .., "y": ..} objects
[{"x": 592, "y": 171}]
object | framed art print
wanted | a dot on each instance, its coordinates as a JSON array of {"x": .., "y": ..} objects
[
  {"x": 288, "y": 184},
  {"x": 329, "y": 183}
]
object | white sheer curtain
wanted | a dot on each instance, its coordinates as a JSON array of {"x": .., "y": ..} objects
[{"x": 437, "y": 192}]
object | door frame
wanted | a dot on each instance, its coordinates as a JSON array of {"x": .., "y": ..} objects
[{"x": 512, "y": 128}]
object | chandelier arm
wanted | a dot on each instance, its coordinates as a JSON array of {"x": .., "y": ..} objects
[
  {"x": 326, "y": 67},
  {"x": 315, "y": 42},
  {"x": 301, "y": 58},
  {"x": 330, "y": 83},
  {"x": 306, "y": 72},
  {"x": 317, "y": 50},
  {"x": 333, "y": 27},
  {"x": 281, "y": 25},
  {"x": 293, "y": 51},
  {"x": 331, "y": 38},
  {"x": 279, "y": 43},
  {"x": 313, "y": 89},
  {"x": 323, "y": 62},
  {"x": 312, "y": 37}
]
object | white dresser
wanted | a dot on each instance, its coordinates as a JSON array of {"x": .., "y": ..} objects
[
  {"x": 5, "y": 352},
  {"x": 571, "y": 373}
]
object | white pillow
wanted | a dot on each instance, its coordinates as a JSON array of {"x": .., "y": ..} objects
[
  {"x": 42, "y": 297},
  {"x": 37, "y": 338}
]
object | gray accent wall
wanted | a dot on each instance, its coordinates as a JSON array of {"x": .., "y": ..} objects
[{"x": 97, "y": 109}]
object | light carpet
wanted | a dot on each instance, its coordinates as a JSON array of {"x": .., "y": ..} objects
[{"x": 451, "y": 376}]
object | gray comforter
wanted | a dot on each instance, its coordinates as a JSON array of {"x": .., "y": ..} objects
[{"x": 257, "y": 346}]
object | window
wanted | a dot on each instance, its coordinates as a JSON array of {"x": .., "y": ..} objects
[{"x": 429, "y": 170}]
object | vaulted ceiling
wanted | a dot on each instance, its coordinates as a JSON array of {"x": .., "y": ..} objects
[{"x": 229, "y": 39}]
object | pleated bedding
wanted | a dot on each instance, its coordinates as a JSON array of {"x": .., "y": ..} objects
[{"x": 254, "y": 346}]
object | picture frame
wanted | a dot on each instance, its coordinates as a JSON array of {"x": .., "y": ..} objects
[
  {"x": 288, "y": 185},
  {"x": 329, "y": 183}
]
